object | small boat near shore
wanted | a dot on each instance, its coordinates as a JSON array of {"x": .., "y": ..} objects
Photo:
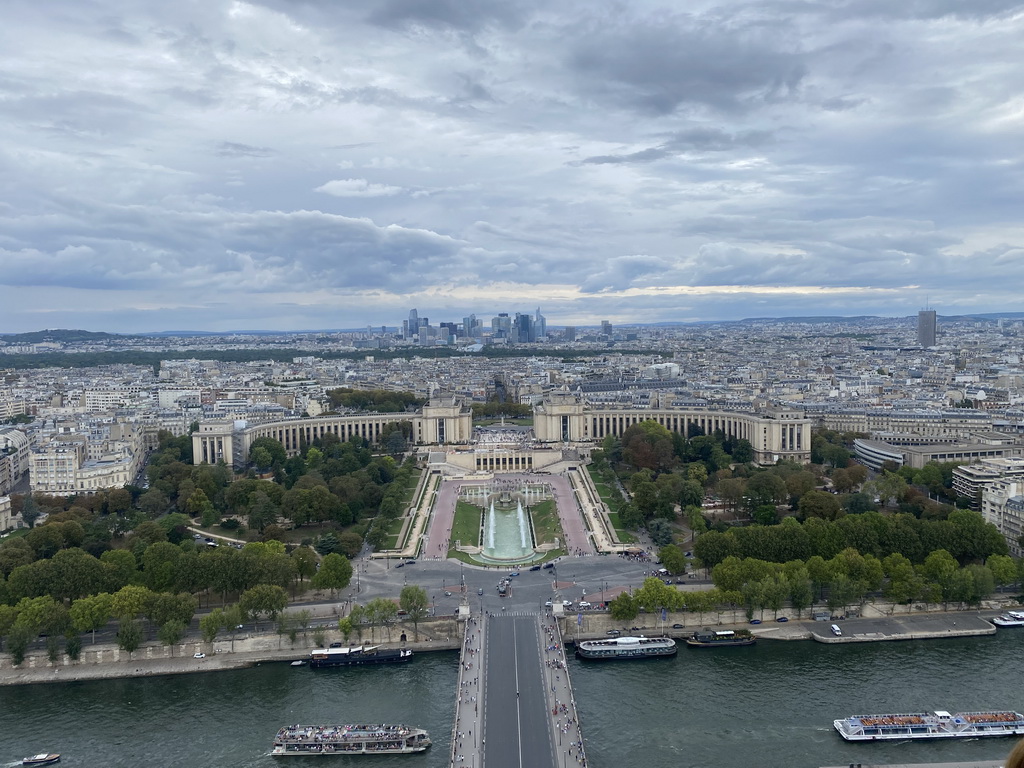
[
  {"x": 724, "y": 638},
  {"x": 626, "y": 648},
  {"x": 346, "y": 657},
  {"x": 43, "y": 759},
  {"x": 1009, "y": 619},
  {"x": 930, "y": 725},
  {"x": 349, "y": 740}
]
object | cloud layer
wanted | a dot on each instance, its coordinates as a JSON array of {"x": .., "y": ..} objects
[{"x": 275, "y": 164}]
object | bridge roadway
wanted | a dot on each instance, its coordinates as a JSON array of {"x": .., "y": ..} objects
[{"x": 515, "y": 706}]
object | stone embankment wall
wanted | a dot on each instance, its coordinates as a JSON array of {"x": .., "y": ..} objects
[{"x": 106, "y": 660}]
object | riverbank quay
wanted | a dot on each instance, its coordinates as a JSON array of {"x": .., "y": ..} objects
[
  {"x": 875, "y": 626},
  {"x": 106, "y": 661},
  {"x": 966, "y": 764},
  {"x": 875, "y": 630}
]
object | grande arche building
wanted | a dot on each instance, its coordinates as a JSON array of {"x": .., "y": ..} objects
[{"x": 561, "y": 418}]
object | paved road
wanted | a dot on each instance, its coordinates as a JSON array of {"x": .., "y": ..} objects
[{"x": 517, "y": 725}]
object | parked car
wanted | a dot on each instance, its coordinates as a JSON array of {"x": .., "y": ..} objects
[
  {"x": 410, "y": 562},
  {"x": 677, "y": 626},
  {"x": 614, "y": 632},
  {"x": 547, "y": 604},
  {"x": 755, "y": 621},
  {"x": 782, "y": 619},
  {"x": 567, "y": 603},
  {"x": 583, "y": 604},
  {"x": 836, "y": 630},
  {"x": 198, "y": 655}
]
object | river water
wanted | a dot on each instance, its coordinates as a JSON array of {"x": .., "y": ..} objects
[{"x": 769, "y": 706}]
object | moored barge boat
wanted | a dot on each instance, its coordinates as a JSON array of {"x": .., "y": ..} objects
[
  {"x": 930, "y": 725},
  {"x": 349, "y": 740},
  {"x": 1009, "y": 619},
  {"x": 344, "y": 657},
  {"x": 708, "y": 638},
  {"x": 626, "y": 648}
]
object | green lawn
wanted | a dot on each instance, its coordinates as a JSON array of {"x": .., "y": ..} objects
[
  {"x": 609, "y": 495},
  {"x": 394, "y": 530},
  {"x": 624, "y": 536},
  {"x": 466, "y": 527},
  {"x": 410, "y": 490},
  {"x": 546, "y": 526}
]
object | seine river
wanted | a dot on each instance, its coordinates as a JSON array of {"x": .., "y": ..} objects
[{"x": 769, "y": 706}]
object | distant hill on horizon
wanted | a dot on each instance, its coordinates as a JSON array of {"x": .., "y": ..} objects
[{"x": 60, "y": 335}]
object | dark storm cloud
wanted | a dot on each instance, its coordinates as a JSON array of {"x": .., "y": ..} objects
[
  {"x": 447, "y": 14},
  {"x": 690, "y": 140},
  {"x": 661, "y": 64},
  {"x": 236, "y": 149}
]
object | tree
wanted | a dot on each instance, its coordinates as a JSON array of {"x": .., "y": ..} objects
[
  {"x": 211, "y": 624},
  {"x": 820, "y": 504},
  {"x": 262, "y": 511},
  {"x": 382, "y": 612},
  {"x": 335, "y": 573},
  {"x": 623, "y": 607},
  {"x": 695, "y": 520},
  {"x": 305, "y": 561},
  {"x": 91, "y": 613},
  {"x": 30, "y": 512},
  {"x": 700, "y": 602},
  {"x": 120, "y": 568},
  {"x": 1004, "y": 570},
  {"x": 765, "y": 488},
  {"x": 73, "y": 646},
  {"x": 128, "y": 602},
  {"x": 660, "y": 531},
  {"x": 801, "y": 593},
  {"x": 269, "y": 599},
  {"x": 129, "y": 635},
  {"x": 414, "y": 601},
  {"x": 172, "y": 632},
  {"x": 655, "y": 595},
  {"x": 345, "y": 627},
  {"x": 18, "y": 641},
  {"x": 265, "y": 452},
  {"x": 673, "y": 559}
]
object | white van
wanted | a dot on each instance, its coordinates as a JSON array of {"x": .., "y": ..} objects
[{"x": 836, "y": 630}]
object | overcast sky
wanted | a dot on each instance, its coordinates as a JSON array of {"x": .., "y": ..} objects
[{"x": 299, "y": 164}]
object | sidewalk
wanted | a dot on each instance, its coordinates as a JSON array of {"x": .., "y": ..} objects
[
  {"x": 467, "y": 733},
  {"x": 569, "y": 747}
]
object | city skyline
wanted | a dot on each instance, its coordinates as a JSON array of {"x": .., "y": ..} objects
[{"x": 272, "y": 165}]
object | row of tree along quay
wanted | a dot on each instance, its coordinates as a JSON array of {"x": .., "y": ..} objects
[{"x": 841, "y": 583}]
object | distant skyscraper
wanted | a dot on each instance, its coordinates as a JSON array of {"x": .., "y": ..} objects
[
  {"x": 523, "y": 329},
  {"x": 540, "y": 324},
  {"x": 926, "y": 325},
  {"x": 501, "y": 326},
  {"x": 606, "y": 327},
  {"x": 570, "y": 333}
]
